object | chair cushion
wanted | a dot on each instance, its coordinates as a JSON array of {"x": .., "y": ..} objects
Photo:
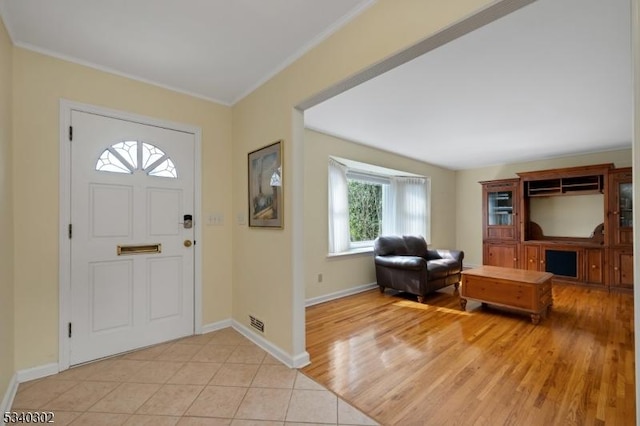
[
  {"x": 437, "y": 270},
  {"x": 389, "y": 245},
  {"x": 441, "y": 268},
  {"x": 401, "y": 262},
  {"x": 416, "y": 246},
  {"x": 407, "y": 245}
]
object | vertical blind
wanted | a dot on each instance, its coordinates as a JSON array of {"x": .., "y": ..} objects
[
  {"x": 405, "y": 206},
  {"x": 339, "y": 237}
]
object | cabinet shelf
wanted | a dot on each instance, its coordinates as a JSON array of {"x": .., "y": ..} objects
[
  {"x": 544, "y": 192},
  {"x": 565, "y": 186}
]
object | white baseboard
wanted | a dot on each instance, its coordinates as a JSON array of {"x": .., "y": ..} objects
[
  {"x": 9, "y": 394},
  {"x": 37, "y": 372},
  {"x": 22, "y": 376},
  {"x": 340, "y": 294},
  {"x": 301, "y": 360},
  {"x": 296, "y": 361},
  {"x": 215, "y": 326}
]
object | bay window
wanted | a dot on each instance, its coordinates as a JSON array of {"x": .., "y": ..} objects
[{"x": 366, "y": 201}]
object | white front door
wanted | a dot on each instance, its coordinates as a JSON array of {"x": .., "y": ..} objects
[{"x": 132, "y": 257}]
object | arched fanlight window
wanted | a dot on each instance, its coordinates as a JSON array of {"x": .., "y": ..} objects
[{"x": 130, "y": 156}]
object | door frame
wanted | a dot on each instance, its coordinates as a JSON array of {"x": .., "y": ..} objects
[{"x": 64, "y": 262}]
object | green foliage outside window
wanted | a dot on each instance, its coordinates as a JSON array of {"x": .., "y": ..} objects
[{"x": 365, "y": 210}]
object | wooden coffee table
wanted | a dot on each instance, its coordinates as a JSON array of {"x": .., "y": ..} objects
[{"x": 519, "y": 289}]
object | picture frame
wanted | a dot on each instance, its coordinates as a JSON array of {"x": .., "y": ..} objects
[{"x": 266, "y": 195}]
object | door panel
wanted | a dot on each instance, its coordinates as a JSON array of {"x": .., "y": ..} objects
[
  {"x": 132, "y": 185},
  {"x": 111, "y": 295},
  {"x": 111, "y": 211},
  {"x": 165, "y": 283},
  {"x": 163, "y": 207}
]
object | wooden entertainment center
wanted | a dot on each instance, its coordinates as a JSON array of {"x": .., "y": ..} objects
[{"x": 602, "y": 259}]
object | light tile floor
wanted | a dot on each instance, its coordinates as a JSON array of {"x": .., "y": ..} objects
[{"x": 219, "y": 378}]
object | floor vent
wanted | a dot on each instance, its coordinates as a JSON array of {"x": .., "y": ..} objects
[{"x": 257, "y": 324}]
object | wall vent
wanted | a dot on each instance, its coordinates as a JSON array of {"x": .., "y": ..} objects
[{"x": 257, "y": 324}]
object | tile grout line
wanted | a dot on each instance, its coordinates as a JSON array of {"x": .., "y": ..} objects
[
  {"x": 100, "y": 374},
  {"x": 286, "y": 414},
  {"x": 246, "y": 391}
]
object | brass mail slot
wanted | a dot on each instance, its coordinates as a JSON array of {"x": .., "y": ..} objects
[{"x": 140, "y": 249}]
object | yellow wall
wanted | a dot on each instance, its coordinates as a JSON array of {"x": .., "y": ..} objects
[
  {"x": 267, "y": 288},
  {"x": 39, "y": 83},
  {"x": 469, "y": 192},
  {"x": 344, "y": 272},
  {"x": 246, "y": 270},
  {"x": 6, "y": 216},
  {"x": 257, "y": 262}
]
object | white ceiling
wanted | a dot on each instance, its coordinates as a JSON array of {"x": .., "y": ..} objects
[
  {"x": 216, "y": 49},
  {"x": 551, "y": 79}
]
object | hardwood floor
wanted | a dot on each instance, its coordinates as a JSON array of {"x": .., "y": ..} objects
[{"x": 405, "y": 363}]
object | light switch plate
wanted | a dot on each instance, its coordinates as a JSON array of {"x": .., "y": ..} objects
[{"x": 215, "y": 219}]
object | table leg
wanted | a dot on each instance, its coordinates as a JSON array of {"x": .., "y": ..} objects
[{"x": 463, "y": 303}]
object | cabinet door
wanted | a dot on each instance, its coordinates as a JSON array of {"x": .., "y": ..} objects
[
  {"x": 505, "y": 255},
  {"x": 500, "y": 207},
  {"x": 622, "y": 260},
  {"x": 594, "y": 265},
  {"x": 531, "y": 258},
  {"x": 621, "y": 208}
]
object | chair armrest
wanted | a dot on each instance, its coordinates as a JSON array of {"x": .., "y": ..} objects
[
  {"x": 401, "y": 262},
  {"x": 456, "y": 255}
]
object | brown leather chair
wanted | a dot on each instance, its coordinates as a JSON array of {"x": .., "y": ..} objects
[{"x": 406, "y": 264}]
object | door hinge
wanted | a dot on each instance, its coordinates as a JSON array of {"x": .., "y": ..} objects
[
  {"x": 70, "y": 230},
  {"x": 70, "y": 133},
  {"x": 69, "y": 330}
]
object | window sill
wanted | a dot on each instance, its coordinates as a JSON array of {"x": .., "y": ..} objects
[{"x": 352, "y": 252}]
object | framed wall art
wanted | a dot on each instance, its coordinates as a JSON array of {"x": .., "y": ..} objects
[{"x": 266, "y": 193}]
